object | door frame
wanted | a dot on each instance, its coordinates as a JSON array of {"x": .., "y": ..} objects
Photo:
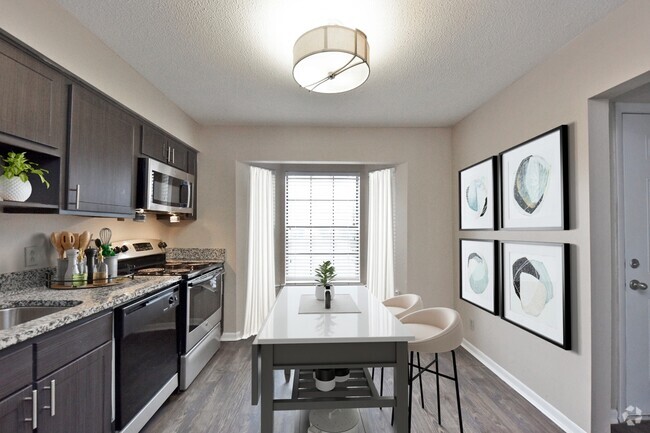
[{"x": 621, "y": 108}]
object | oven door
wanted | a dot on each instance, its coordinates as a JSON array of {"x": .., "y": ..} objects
[{"x": 203, "y": 306}]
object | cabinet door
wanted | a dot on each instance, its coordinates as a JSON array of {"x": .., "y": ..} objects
[
  {"x": 178, "y": 156},
  {"x": 16, "y": 412},
  {"x": 33, "y": 98},
  {"x": 77, "y": 398},
  {"x": 154, "y": 144},
  {"x": 101, "y": 162}
]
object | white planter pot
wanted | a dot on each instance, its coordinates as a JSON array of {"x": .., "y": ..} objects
[
  {"x": 320, "y": 292},
  {"x": 14, "y": 189}
]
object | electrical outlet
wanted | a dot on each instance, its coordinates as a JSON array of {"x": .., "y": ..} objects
[
  {"x": 34, "y": 257},
  {"x": 471, "y": 324}
]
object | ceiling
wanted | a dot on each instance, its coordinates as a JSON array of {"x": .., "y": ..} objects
[{"x": 229, "y": 62}]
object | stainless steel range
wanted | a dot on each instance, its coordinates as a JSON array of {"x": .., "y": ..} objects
[{"x": 201, "y": 300}]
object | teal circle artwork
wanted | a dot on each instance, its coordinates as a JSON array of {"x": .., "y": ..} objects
[
  {"x": 533, "y": 285},
  {"x": 478, "y": 273},
  {"x": 531, "y": 183},
  {"x": 477, "y": 197}
]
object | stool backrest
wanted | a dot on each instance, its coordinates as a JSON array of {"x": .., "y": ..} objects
[
  {"x": 447, "y": 332},
  {"x": 408, "y": 303}
]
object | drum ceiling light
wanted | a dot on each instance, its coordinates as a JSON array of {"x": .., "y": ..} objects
[{"x": 331, "y": 59}]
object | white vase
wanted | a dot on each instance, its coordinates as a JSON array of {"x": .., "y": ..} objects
[
  {"x": 14, "y": 189},
  {"x": 320, "y": 292}
]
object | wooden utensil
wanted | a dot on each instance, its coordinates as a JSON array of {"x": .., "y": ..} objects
[
  {"x": 76, "y": 240},
  {"x": 84, "y": 239},
  {"x": 55, "y": 238},
  {"x": 67, "y": 241}
]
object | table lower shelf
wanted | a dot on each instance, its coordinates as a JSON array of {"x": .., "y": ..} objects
[{"x": 358, "y": 391}]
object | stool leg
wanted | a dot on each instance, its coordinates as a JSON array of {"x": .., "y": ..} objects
[
  {"x": 381, "y": 385},
  {"x": 410, "y": 389},
  {"x": 421, "y": 389},
  {"x": 438, "y": 390},
  {"x": 460, "y": 415}
]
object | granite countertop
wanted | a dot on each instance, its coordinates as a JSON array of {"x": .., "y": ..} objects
[{"x": 82, "y": 302}]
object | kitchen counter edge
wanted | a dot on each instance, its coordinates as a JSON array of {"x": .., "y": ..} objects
[{"x": 85, "y": 303}]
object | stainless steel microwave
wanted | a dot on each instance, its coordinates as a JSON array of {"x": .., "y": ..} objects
[{"x": 163, "y": 188}]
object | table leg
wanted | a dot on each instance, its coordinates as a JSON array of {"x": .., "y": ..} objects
[
  {"x": 266, "y": 382},
  {"x": 401, "y": 388}
]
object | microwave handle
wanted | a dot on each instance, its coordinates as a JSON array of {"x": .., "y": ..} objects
[{"x": 188, "y": 185}]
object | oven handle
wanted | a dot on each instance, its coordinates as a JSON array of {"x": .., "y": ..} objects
[{"x": 204, "y": 278}]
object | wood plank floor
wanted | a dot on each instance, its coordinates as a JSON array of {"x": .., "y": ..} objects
[{"x": 219, "y": 401}]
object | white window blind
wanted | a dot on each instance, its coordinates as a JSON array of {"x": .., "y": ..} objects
[{"x": 321, "y": 223}]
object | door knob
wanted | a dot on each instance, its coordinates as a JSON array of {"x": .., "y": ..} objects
[{"x": 638, "y": 285}]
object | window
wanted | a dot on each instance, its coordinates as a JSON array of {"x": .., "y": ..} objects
[{"x": 321, "y": 223}]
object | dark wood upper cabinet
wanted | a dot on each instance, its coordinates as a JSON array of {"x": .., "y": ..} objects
[
  {"x": 33, "y": 98},
  {"x": 101, "y": 155},
  {"x": 156, "y": 144}
]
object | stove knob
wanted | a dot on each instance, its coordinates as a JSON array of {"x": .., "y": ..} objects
[
  {"x": 124, "y": 248},
  {"x": 162, "y": 244}
]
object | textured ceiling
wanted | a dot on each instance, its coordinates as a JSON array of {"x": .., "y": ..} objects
[{"x": 432, "y": 61}]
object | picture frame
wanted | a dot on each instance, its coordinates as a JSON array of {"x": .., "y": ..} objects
[
  {"x": 479, "y": 273},
  {"x": 535, "y": 289},
  {"x": 477, "y": 195},
  {"x": 533, "y": 179}
]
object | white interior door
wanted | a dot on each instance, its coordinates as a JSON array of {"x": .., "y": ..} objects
[{"x": 635, "y": 134}]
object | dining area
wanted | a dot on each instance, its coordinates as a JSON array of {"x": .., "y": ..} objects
[{"x": 346, "y": 342}]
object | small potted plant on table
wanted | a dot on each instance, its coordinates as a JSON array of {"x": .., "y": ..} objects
[{"x": 325, "y": 273}]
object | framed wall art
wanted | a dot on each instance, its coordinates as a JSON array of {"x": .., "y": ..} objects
[
  {"x": 477, "y": 195},
  {"x": 478, "y": 273},
  {"x": 534, "y": 183},
  {"x": 535, "y": 289}
]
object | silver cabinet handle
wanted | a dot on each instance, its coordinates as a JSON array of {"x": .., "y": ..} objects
[
  {"x": 78, "y": 196},
  {"x": 52, "y": 406},
  {"x": 169, "y": 153},
  {"x": 34, "y": 400},
  {"x": 638, "y": 285},
  {"x": 173, "y": 155}
]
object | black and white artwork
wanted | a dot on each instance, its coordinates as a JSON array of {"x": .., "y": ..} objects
[
  {"x": 535, "y": 293},
  {"x": 477, "y": 196},
  {"x": 533, "y": 183},
  {"x": 478, "y": 273}
]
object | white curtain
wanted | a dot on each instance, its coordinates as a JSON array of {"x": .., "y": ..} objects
[
  {"x": 260, "y": 287},
  {"x": 381, "y": 273}
]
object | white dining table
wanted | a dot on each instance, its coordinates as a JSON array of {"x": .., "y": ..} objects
[{"x": 302, "y": 342}]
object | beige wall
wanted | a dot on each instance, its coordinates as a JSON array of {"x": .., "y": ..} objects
[
  {"x": 423, "y": 157},
  {"x": 556, "y": 92}
]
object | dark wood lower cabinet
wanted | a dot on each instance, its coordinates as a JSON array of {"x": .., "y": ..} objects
[
  {"x": 77, "y": 397},
  {"x": 16, "y": 412}
]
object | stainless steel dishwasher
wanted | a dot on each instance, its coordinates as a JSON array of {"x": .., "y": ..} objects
[{"x": 146, "y": 358}]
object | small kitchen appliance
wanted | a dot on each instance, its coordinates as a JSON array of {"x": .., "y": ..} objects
[{"x": 163, "y": 188}]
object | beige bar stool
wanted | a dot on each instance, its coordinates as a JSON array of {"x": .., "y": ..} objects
[
  {"x": 436, "y": 330},
  {"x": 400, "y": 306}
]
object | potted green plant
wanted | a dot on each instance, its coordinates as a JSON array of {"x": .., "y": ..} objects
[
  {"x": 14, "y": 182},
  {"x": 325, "y": 273}
]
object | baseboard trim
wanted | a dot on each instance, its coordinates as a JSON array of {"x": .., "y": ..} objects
[
  {"x": 545, "y": 407},
  {"x": 231, "y": 336}
]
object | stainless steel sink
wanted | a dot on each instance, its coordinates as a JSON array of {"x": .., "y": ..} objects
[{"x": 16, "y": 315}]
